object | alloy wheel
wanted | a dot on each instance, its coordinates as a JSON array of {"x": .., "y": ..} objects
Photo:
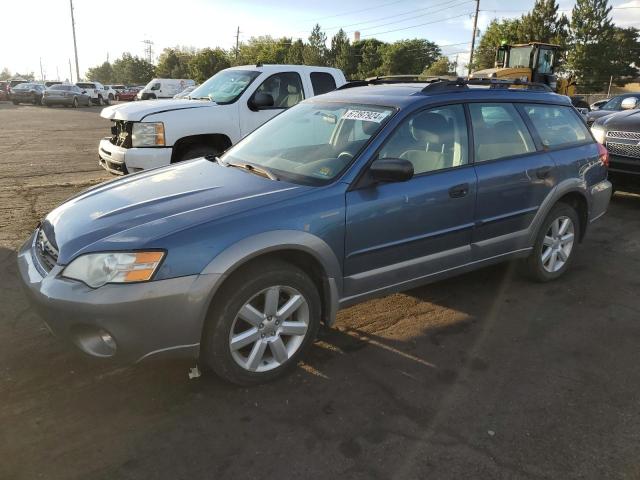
[
  {"x": 557, "y": 244},
  {"x": 269, "y": 329}
]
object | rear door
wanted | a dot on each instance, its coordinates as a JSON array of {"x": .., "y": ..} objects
[
  {"x": 403, "y": 231},
  {"x": 514, "y": 178}
]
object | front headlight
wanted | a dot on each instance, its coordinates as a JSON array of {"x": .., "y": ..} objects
[
  {"x": 97, "y": 269},
  {"x": 598, "y": 133},
  {"x": 147, "y": 134}
]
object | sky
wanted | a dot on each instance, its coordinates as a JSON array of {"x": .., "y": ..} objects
[{"x": 107, "y": 29}]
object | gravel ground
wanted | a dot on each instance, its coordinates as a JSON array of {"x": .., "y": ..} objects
[{"x": 483, "y": 376}]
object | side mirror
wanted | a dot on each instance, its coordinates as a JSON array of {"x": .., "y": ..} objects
[
  {"x": 629, "y": 103},
  {"x": 391, "y": 170},
  {"x": 595, "y": 107},
  {"x": 261, "y": 100}
]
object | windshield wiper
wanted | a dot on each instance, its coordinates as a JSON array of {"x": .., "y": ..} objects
[
  {"x": 250, "y": 167},
  {"x": 201, "y": 98}
]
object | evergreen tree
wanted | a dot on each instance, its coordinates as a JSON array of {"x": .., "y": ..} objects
[
  {"x": 497, "y": 33},
  {"x": 369, "y": 52},
  {"x": 543, "y": 24},
  {"x": 341, "y": 54},
  {"x": 295, "y": 54},
  {"x": 315, "y": 51}
]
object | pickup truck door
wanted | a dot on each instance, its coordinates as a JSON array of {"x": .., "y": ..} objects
[{"x": 286, "y": 89}]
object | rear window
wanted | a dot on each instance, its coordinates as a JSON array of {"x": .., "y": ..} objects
[
  {"x": 322, "y": 82},
  {"x": 557, "y": 126},
  {"x": 85, "y": 85}
]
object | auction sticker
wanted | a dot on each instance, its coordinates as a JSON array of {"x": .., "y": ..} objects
[{"x": 365, "y": 115}]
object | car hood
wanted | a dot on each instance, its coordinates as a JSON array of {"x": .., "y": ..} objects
[
  {"x": 627, "y": 120},
  {"x": 136, "y": 111},
  {"x": 596, "y": 114},
  {"x": 136, "y": 211}
]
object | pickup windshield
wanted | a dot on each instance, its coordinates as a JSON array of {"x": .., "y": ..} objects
[
  {"x": 225, "y": 86},
  {"x": 311, "y": 143}
]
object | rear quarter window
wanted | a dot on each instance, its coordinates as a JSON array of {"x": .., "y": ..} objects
[
  {"x": 322, "y": 82},
  {"x": 557, "y": 126}
]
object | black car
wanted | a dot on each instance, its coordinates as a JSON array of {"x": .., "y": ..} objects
[
  {"x": 27, "y": 93},
  {"x": 612, "y": 106},
  {"x": 67, "y": 95},
  {"x": 620, "y": 133}
]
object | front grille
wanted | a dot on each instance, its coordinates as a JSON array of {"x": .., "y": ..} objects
[
  {"x": 624, "y": 135},
  {"x": 45, "y": 252},
  {"x": 623, "y": 149},
  {"x": 121, "y": 133}
]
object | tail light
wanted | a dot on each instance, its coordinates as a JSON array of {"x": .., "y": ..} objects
[{"x": 603, "y": 154}]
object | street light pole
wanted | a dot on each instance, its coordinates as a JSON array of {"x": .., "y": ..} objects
[
  {"x": 473, "y": 38},
  {"x": 75, "y": 46}
]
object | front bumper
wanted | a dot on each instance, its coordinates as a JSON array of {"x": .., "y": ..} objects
[
  {"x": 143, "y": 319},
  {"x": 121, "y": 161}
]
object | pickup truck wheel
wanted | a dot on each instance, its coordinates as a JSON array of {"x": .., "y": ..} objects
[
  {"x": 553, "y": 251},
  {"x": 263, "y": 320},
  {"x": 197, "y": 151}
]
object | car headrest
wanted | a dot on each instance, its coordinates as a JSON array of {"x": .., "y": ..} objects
[
  {"x": 292, "y": 88},
  {"x": 369, "y": 128},
  {"x": 430, "y": 127}
]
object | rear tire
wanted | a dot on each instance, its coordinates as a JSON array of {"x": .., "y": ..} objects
[
  {"x": 555, "y": 244},
  {"x": 262, "y": 321}
]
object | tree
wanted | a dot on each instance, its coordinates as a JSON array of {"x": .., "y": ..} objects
[
  {"x": 315, "y": 52},
  {"x": 208, "y": 62},
  {"x": 174, "y": 62},
  {"x": 369, "y": 52},
  {"x": 497, "y": 33},
  {"x": 295, "y": 54},
  {"x": 102, "y": 73},
  {"x": 341, "y": 54},
  {"x": 441, "y": 67},
  {"x": 591, "y": 38},
  {"x": 409, "y": 56},
  {"x": 543, "y": 24},
  {"x": 263, "y": 49},
  {"x": 129, "y": 69},
  {"x": 5, "y": 74},
  {"x": 625, "y": 53}
]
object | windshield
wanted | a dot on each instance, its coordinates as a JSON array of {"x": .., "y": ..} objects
[
  {"x": 520, "y": 57},
  {"x": 311, "y": 143},
  {"x": 25, "y": 86},
  {"x": 225, "y": 86}
]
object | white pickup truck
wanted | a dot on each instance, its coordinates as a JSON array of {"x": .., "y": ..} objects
[{"x": 225, "y": 108}]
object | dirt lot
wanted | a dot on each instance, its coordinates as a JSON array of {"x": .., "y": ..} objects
[{"x": 482, "y": 376}]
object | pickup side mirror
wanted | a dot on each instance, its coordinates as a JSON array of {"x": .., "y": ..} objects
[
  {"x": 261, "y": 100},
  {"x": 629, "y": 103},
  {"x": 391, "y": 170}
]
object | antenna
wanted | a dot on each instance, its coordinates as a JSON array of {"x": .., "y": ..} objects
[{"x": 148, "y": 50}]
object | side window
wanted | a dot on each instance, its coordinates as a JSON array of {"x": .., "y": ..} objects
[
  {"x": 557, "y": 126},
  {"x": 322, "y": 82},
  {"x": 156, "y": 86},
  {"x": 498, "y": 131},
  {"x": 285, "y": 88},
  {"x": 431, "y": 140},
  {"x": 545, "y": 61}
]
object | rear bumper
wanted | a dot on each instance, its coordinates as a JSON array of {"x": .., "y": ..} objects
[
  {"x": 57, "y": 100},
  {"x": 143, "y": 319},
  {"x": 121, "y": 161}
]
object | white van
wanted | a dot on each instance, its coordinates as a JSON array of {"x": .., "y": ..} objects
[
  {"x": 164, "y": 88},
  {"x": 217, "y": 114}
]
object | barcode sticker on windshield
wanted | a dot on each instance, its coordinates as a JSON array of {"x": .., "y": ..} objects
[{"x": 365, "y": 115}]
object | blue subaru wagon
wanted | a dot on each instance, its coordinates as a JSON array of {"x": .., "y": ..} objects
[{"x": 365, "y": 191}]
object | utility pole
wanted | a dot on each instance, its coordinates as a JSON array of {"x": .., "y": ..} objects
[
  {"x": 75, "y": 46},
  {"x": 70, "y": 73},
  {"x": 148, "y": 50},
  {"x": 237, "y": 41},
  {"x": 57, "y": 74},
  {"x": 41, "y": 73},
  {"x": 473, "y": 38}
]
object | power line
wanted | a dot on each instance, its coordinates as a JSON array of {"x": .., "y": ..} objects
[
  {"x": 419, "y": 25},
  {"x": 382, "y": 5}
]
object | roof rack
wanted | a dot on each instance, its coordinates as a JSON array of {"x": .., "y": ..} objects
[
  {"x": 391, "y": 79},
  {"x": 442, "y": 85}
]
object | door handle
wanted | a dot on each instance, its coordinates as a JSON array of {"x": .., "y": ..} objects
[
  {"x": 543, "y": 172},
  {"x": 459, "y": 191}
]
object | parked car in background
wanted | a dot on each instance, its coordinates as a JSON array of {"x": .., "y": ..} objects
[
  {"x": 4, "y": 94},
  {"x": 128, "y": 94},
  {"x": 599, "y": 104},
  {"x": 360, "y": 193},
  {"x": 116, "y": 88},
  {"x": 186, "y": 92},
  {"x": 620, "y": 133},
  {"x": 110, "y": 93},
  {"x": 218, "y": 113},
  {"x": 96, "y": 91},
  {"x": 66, "y": 94},
  {"x": 27, "y": 93},
  {"x": 613, "y": 105},
  {"x": 164, "y": 88}
]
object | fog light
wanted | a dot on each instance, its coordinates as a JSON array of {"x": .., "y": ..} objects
[
  {"x": 108, "y": 340},
  {"x": 94, "y": 341}
]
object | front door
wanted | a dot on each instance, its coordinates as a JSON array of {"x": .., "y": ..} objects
[
  {"x": 286, "y": 90},
  {"x": 398, "y": 232}
]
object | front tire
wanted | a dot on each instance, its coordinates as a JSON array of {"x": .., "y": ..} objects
[
  {"x": 555, "y": 244},
  {"x": 261, "y": 322}
]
